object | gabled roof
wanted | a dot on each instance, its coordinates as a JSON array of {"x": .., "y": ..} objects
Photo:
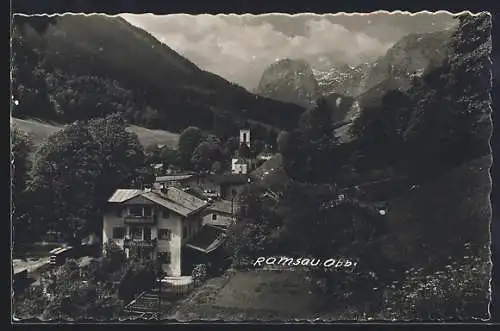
[
  {"x": 197, "y": 192},
  {"x": 188, "y": 201},
  {"x": 176, "y": 177},
  {"x": 171, "y": 198},
  {"x": 122, "y": 195},
  {"x": 222, "y": 206},
  {"x": 208, "y": 239}
]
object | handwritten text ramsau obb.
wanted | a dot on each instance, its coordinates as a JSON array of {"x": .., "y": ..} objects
[{"x": 288, "y": 261}]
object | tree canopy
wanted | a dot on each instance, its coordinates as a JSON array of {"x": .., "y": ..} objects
[
  {"x": 189, "y": 140},
  {"x": 76, "y": 170}
]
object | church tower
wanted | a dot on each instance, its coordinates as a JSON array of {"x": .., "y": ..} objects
[{"x": 245, "y": 137}]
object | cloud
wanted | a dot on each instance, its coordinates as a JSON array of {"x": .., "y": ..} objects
[{"x": 239, "y": 48}]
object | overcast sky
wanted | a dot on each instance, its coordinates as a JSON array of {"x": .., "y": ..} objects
[{"x": 240, "y": 47}]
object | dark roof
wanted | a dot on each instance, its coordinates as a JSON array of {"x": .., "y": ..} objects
[
  {"x": 271, "y": 165},
  {"x": 231, "y": 179},
  {"x": 222, "y": 206},
  {"x": 196, "y": 192},
  {"x": 208, "y": 239}
]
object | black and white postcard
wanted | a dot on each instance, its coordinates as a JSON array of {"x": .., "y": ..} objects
[{"x": 234, "y": 168}]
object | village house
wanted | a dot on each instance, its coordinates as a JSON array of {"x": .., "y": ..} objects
[
  {"x": 229, "y": 185},
  {"x": 179, "y": 180},
  {"x": 153, "y": 224},
  {"x": 206, "y": 246},
  {"x": 220, "y": 213},
  {"x": 160, "y": 224},
  {"x": 239, "y": 166}
]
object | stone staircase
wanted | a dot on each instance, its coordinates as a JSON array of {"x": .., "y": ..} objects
[{"x": 147, "y": 305}]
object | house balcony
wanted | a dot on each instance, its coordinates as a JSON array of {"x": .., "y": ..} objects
[
  {"x": 130, "y": 219},
  {"x": 129, "y": 243}
]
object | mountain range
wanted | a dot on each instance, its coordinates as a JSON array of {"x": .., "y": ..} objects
[{"x": 361, "y": 86}]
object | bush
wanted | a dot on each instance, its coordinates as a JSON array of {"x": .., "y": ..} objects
[
  {"x": 139, "y": 276},
  {"x": 115, "y": 255},
  {"x": 459, "y": 291},
  {"x": 64, "y": 293},
  {"x": 199, "y": 273}
]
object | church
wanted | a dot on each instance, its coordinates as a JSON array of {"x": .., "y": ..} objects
[{"x": 243, "y": 164}]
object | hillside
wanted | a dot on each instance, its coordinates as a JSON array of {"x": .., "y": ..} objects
[
  {"x": 138, "y": 74},
  {"x": 38, "y": 131},
  {"x": 422, "y": 212}
]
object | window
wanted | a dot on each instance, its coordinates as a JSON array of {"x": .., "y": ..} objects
[
  {"x": 165, "y": 213},
  {"x": 184, "y": 232},
  {"x": 147, "y": 234},
  {"x": 164, "y": 257},
  {"x": 148, "y": 211},
  {"x": 118, "y": 211},
  {"x": 119, "y": 232},
  {"x": 164, "y": 234},
  {"x": 135, "y": 211},
  {"x": 136, "y": 232},
  {"x": 214, "y": 217}
]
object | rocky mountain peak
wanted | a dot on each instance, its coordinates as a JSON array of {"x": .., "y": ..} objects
[{"x": 290, "y": 80}]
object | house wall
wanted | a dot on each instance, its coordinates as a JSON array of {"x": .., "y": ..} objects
[
  {"x": 239, "y": 168},
  {"x": 191, "y": 226},
  {"x": 221, "y": 217},
  {"x": 110, "y": 221},
  {"x": 173, "y": 223},
  {"x": 174, "y": 245}
]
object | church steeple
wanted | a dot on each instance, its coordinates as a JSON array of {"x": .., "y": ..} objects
[{"x": 245, "y": 137}]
